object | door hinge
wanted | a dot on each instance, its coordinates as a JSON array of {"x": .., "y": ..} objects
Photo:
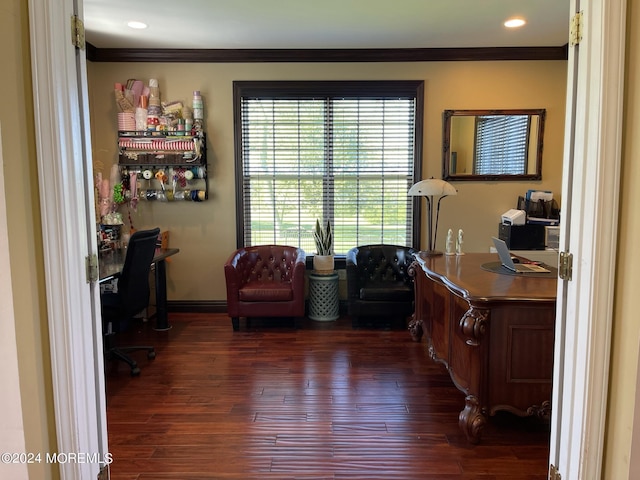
[
  {"x": 77, "y": 32},
  {"x": 575, "y": 29},
  {"x": 565, "y": 265},
  {"x": 553, "y": 473},
  {"x": 91, "y": 262}
]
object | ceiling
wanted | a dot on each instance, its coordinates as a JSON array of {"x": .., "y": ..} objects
[{"x": 324, "y": 24}]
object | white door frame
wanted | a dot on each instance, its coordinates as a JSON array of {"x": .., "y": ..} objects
[
  {"x": 581, "y": 369},
  {"x": 68, "y": 226},
  {"x": 591, "y": 183}
]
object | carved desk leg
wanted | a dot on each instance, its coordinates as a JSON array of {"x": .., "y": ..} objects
[
  {"x": 472, "y": 420},
  {"x": 415, "y": 328},
  {"x": 473, "y": 325}
]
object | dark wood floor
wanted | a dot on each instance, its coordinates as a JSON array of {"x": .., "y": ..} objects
[{"x": 320, "y": 401}]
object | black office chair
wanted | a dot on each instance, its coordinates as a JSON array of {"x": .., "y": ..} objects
[{"x": 132, "y": 297}]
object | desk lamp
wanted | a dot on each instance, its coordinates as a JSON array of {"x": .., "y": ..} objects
[{"x": 430, "y": 189}]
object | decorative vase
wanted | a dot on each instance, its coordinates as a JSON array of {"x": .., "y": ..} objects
[{"x": 323, "y": 264}]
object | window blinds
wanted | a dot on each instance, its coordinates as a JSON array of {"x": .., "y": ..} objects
[
  {"x": 350, "y": 160},
  {"x": 501, "y": 144}
]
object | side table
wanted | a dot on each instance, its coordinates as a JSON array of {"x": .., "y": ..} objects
[{"x": 323, "y": 297}]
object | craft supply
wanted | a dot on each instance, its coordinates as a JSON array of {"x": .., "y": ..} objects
[
  {"x": 141, "y": 119},
  {"x": 133, "y": 185},
  {"x": 105, "y": 200},
  {"x": 154, "y": 93},
  {"x": 198, "y": 106}
]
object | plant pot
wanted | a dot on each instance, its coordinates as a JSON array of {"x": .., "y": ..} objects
[{"x": 323, "y": 264}]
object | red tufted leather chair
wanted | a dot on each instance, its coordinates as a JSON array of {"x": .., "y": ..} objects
[{"x": 265, "y": 281}]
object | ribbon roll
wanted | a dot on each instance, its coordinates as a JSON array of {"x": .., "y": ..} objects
[{"x": 181, "y": 176}]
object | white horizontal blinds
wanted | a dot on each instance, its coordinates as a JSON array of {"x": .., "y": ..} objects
[
  {"x": 501, "y": 144},
  {"x": 283, "y": 148},
  {"x": 349, "y": 160},
  {"x": 372, "y": 165}
]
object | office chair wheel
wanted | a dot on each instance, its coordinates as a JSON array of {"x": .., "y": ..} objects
[
  {"x": 151, "y": 355},
  {"x": 135, "y": 371}
]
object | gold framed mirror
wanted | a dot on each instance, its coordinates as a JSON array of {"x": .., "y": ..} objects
[{"x": 492, "y": 144}]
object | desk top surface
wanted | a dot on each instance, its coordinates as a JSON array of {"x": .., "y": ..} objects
[
  {"x": 465, "y": 276},
  {"x": 110, "y": 263}
]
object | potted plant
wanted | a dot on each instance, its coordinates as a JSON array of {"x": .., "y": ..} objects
[{"x": 323, "y": 259}]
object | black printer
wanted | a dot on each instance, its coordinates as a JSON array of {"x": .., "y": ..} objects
[{"x": 529, "y": 236}]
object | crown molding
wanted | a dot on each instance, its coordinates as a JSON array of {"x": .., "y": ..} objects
[{"x": 171, "y": 55}]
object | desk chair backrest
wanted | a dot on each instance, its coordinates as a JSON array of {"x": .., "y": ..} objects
[{"x": 133, "y": 284}]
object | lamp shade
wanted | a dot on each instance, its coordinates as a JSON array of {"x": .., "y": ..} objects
[{"x": 432, "y": 187}]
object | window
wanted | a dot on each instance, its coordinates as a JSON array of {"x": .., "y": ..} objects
[
  {"x": 501, "y": 144},
  {"x": 347, "y": 152}
]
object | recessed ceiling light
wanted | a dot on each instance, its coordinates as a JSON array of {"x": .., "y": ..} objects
[
  {"x": 514, "y": 23},
  {"x": 137, "y": 25}
]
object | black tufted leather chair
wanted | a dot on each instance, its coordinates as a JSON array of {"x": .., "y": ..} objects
[
  {"x": 378, "y": 282},
  {"x": 265, "y": 281}
]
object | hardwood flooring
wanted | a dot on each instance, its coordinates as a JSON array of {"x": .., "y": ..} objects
[{"x": 320, "y": 401}]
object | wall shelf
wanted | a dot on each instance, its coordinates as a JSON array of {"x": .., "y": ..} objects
[{"x": 166, "y": 167}]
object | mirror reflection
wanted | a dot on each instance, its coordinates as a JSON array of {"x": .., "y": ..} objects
[{"x": 493, "y": 144}]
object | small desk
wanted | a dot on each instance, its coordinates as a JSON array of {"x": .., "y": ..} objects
[
  {"x": 494, "y": 333},
  {"x": 110, "y": 265}
]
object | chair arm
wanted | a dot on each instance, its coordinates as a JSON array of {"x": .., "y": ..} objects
[
  {"x": 297, "y": 275},
  {"x": 299, "y": 265},
  {"x": 232, "y": 272},
  {"x": 353, "y": 283}
]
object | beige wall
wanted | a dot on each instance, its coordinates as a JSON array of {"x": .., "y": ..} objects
[
  {"x": 206, "y": 232},
  {"x": 626, "y": 325},
  {"x": 20, "y": 178}
]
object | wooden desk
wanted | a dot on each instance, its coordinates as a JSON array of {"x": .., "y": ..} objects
[
  {"x": 110, "y": 265},
  {"x": 493, "y": 332}
]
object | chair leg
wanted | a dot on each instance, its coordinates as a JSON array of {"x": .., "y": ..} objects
[
  {"x": 120, "y": 353},
  {"x": 135, "y": 370},
  {"x": 235, "y": 321},
  {"x": 151, "y": 353}
]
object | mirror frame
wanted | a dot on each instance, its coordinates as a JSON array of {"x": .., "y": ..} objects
[{"x": 446, "y": 145}]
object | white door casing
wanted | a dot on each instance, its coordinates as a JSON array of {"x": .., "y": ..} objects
[
  {"x": 591, "y": 181},
  {"x": 68, "y": 226},
  {"x": 583, "y": 334}
]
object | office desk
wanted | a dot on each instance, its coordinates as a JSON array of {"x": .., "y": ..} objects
[
  {"x": 494, "y": 333},
  {"x": 110, "y": 265}
]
